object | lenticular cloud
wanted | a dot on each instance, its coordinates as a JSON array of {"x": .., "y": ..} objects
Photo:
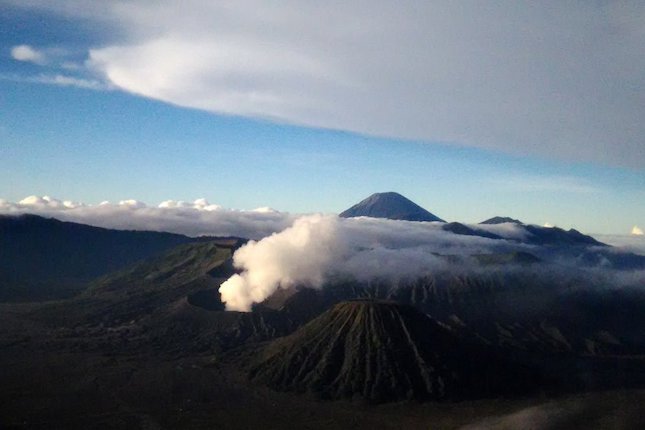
[
  {"x": 195, "y": 218},
  {"x": 438, "y": 63}
]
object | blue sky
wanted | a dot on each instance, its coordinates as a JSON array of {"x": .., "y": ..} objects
[{"x": 78, "y": 121}]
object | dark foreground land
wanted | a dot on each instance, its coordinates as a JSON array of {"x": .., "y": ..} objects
[
  {"x": 87, "y": 380},
  {"x": 150, "y": 347},
  {"x": 117, "y": 378}
]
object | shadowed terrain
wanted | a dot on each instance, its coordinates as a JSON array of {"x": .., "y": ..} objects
[
  {"x": 381, "y": 351},
  {"x": 150, "y": 346},
  {"x": 45, "y": 259}
]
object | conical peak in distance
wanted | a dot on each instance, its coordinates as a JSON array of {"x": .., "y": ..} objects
[{"x": 390, "y": 205}]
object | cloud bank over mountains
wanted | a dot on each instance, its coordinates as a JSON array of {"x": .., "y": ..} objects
[
  {"x": 311, "y": 250},
  {"x": 549, "y": 78},
  {"x": 318, "y": 248},
  {"x": 190, "y": 218}
]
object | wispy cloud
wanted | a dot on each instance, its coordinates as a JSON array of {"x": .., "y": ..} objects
[
  {"x": 48, "y": 56},
  {"x": 61, "y": 70},
  {"x": 28, "y": 54},
  {"x": 59, "y": 80},
  {"x": 558, "y": 184}
]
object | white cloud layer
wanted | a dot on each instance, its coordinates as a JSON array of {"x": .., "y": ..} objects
[
  {"x": 190, "y": 218},
  {"x": 557, "y": 79},
  {"x": 318, "y": 247}
]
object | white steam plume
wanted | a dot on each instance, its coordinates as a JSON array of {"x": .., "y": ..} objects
[
  {"x": 317, "y": 248},
  {"x": 300, "y": 254}
]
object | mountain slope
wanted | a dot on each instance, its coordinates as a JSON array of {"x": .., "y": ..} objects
[
  {"x": 43, "y": 258},
  {"x": 464, "y": 230},
  {"x": 549, "y": 236},
  {"x": 522, "y": 309},
  {"x": 381, "y": 351},
  {"x": 170, "y": 301},
  {"x": 389, "y": 205}
]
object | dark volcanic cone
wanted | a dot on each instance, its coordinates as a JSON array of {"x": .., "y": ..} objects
[
  {"x": 382, "y": 351},
  {"x": 391, "y": 206}
]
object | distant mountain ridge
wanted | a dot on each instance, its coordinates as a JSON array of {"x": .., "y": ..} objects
[
  {"x": 558, "y": 236},
  {"x": 44, "y": 258},
  {"x": 502, "y": 220},
  {"x": 459, "y": 228},
  {"x": 390, "y": 205}
]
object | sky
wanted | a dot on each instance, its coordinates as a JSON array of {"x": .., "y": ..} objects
[{"x": 470, "y": 109}]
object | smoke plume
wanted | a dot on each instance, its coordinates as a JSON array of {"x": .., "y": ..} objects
[{"x": 318, "y": 247}]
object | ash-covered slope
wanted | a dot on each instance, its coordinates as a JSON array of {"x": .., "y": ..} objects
[
  {"x": 389, "y": 205},
  {"x": 382, "y": 351}
]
